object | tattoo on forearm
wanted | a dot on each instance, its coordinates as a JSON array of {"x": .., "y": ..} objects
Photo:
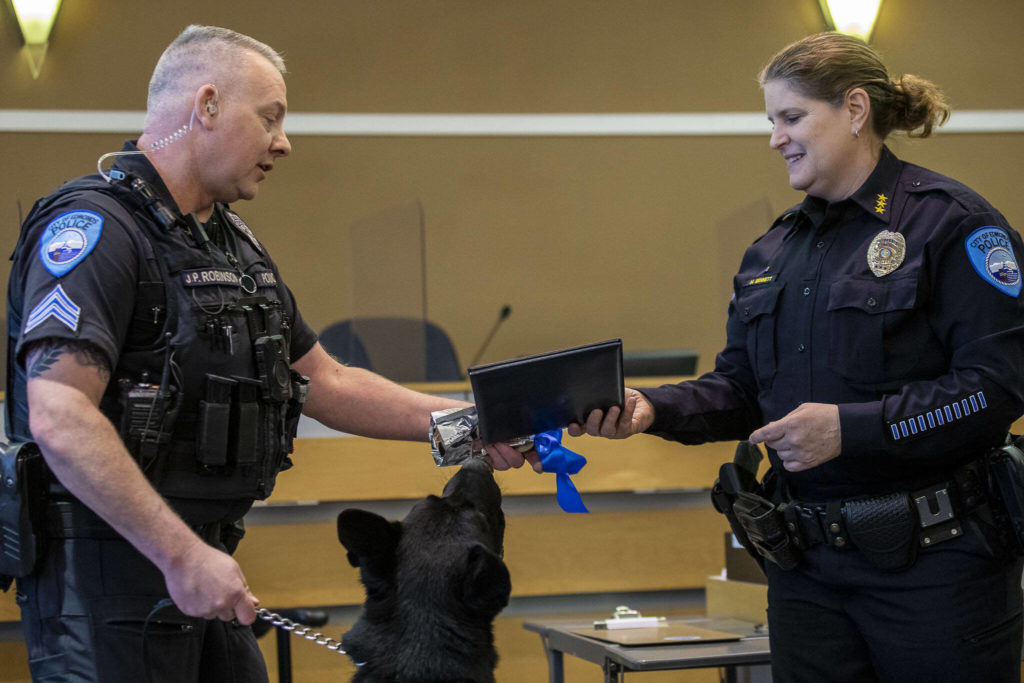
[
  {"x": 42, "y": 360},
  {"x": 43, "y": 355}
]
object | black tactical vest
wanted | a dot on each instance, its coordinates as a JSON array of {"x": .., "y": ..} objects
[{"x": 202, "y": 392}]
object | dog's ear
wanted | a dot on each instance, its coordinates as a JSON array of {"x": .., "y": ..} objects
[
  {"x": 367, "y": 535},
  {"x": 487, "y": 585}
]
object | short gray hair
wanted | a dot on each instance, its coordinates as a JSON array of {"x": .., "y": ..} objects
[{"x": 198, "y": 55}]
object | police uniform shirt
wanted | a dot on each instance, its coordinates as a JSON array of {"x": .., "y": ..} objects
[
  {"x": 900, "y": 304},
  {"x": 81, "y": 264}
]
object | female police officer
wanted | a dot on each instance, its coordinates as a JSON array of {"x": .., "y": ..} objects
[{"x": 874, "y": 345}]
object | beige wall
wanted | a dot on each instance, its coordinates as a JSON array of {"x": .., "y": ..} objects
[{"x": 585, "y": 237}]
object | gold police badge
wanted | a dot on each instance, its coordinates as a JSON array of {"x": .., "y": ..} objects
[{"x": 886, "y": 252}]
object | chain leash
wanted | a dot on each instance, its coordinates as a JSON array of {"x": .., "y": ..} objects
[{"x": 298, "y": 629}]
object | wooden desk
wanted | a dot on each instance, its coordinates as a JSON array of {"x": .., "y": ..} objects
[{"x": 559, "y": 639}]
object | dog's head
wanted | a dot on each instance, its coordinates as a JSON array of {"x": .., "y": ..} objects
[{"x": 434, "y": 583}]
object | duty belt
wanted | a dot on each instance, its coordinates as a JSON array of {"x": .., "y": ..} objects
[
  {"x": 888, "y": 529},
  {"x": 72, "y": 519},
  {"x": 884, "y": 523}
]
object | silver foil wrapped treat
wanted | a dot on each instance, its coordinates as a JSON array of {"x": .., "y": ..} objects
[{"x": 452, "y": 432}]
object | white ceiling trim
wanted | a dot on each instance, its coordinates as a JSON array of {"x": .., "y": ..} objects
[{"x": 299, "y": 123}]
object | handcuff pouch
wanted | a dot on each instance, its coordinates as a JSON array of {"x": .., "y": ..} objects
[{"x": 883, "y": 529}]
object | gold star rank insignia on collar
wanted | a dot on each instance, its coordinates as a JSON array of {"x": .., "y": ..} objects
[
  {"x": 880, "y": 203},
  {"x": 886, "y": 252}
]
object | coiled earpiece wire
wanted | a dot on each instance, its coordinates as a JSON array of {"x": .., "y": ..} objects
[{"x": 159, "y": 144}]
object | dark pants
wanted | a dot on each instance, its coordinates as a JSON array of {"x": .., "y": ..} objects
[
  {"x": 955, "y": 615},
  {"x": 83, "y": 614}
]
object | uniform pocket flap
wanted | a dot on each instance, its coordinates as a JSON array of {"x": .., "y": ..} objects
[
  {"x": 873, "y": 296},
  {"x": 757, "y": 301}
]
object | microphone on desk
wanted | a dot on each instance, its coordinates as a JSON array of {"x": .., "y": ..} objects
[{"x": 506, "y": 310}]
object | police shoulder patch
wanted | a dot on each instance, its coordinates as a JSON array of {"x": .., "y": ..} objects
[
  {"x": 991, "y": 253},
  {"x": 68, "y": 239},
  {"x": 240, "y": 225}
]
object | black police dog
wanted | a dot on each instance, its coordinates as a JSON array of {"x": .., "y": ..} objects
[{"x": 434, "y": 583}]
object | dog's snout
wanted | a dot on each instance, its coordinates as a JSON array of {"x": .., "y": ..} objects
[
  {"x": 470, "y": 474},
  {"x": 478, "y": 464}
]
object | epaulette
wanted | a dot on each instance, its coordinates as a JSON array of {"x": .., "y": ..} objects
[
  {"x": 787, "y": 214},
  {"x": 920, "y": 180}
]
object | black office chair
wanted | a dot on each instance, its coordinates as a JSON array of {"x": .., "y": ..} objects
[
  {"x": 338, "y": 340},
  {"x": 401, "y": 349},
  {"x": 659, "y": 362}
]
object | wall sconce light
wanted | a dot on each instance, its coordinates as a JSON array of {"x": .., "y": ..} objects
[
  {"x": 852, "y": 17},
  {"x": 35, "y": 17}
]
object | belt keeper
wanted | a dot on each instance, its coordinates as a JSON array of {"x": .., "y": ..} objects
[
  {"x": 805, "y": 524},
  {"x": 834, "y": 531},
  {"x": 790, "y": 512}
]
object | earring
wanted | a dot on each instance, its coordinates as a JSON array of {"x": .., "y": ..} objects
[{"x": 856, "y": 132}]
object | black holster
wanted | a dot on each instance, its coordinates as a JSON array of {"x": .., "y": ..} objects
[
  {"x": 723, "y": 502},
  {"x": 222, "y": 535},
  {"x": 1005, "y": 469},
  {"x": 22, "y": 500},
  {"x": 765, "y": 526},
  {"x": 756, "y": 522}
]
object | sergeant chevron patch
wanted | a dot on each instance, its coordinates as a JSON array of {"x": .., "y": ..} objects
[{"x": 57, "y": 304}]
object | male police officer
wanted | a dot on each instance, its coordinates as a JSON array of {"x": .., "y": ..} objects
[{"x": 161, "y": 368}]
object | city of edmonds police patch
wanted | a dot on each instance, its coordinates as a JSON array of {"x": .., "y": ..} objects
[
  {"x": 886, "y": 252},
  {"x": 991, "y": 253},
  {"x": 68, "y": 239}
]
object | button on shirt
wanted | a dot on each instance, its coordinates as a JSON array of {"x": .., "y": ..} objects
[{"x": 924, "y": 357}]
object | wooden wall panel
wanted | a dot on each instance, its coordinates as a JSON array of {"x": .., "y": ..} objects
[
  {"x": 8, "y": 607},
  {"x": 357, "y": 468},
  {"x": 521, "y": 658},
  {"x": 14, "y": 660},
  {"x": 289, "y": 565},
  {"x": 586, "y": 237}
]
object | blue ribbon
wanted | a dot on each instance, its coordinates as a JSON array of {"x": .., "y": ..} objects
[{"x": 560, "y": 460}]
